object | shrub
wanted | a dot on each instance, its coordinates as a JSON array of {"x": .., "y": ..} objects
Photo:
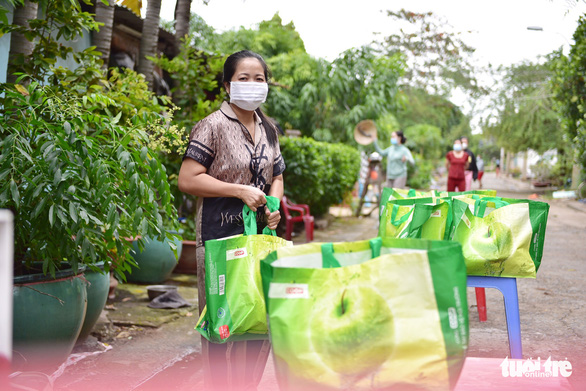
[
  {"x": 79, "y": 164},
  {"x": 318, "y": 174},
  {"x": 419, "y": 176}
]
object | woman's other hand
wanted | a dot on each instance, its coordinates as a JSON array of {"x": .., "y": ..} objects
[
  {"x": 273, "y": 218},
  {"x": 252, "y": 196}
]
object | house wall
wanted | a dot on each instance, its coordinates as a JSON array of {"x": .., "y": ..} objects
[{"x": 5, "y": 44}]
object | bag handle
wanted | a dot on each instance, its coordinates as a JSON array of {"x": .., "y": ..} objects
[
  {"x": 249, "y": 217},
  {"x": 273, "y": 203},
  {"x": 481, "y": 203},
  {"x": 396, "y": 222},
  {"x": 329, "y": 261}
]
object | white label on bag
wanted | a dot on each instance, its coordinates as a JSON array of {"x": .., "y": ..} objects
[
  {"x": 222, "y": 283},
  {"x": 437, "y": 213},
  {"x": 236, "y": 253},
  {"x": 279, "y": 290},
  {"x": 453, "y": 318}
]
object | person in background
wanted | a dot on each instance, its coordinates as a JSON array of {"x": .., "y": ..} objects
[
  {"x": 456, "y": 163},
  {"x": 398, "y": 155},
  {"x": 497, "y": 170},
  {"x": 480, "y": 166},
  {"x": 472, "y": 170},
  {"x": 233, "y": 158}
]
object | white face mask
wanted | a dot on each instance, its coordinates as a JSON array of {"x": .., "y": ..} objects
[
  {"x": 248, "y": 95},
  {"x": 464, "y": 145}
]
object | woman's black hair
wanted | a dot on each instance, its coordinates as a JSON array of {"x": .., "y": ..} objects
[
  {"x": 230, "y": 66},
  {"x": 402, "y": 136}
]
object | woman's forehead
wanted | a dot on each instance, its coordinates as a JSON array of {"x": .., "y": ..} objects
[{"x": 249, "y": 65}]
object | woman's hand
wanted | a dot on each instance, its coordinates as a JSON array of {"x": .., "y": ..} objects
[
  {"x": 273, "y": 218},
  {"x": 403, "y": 159},
  {"x": 252, "y": 196}
]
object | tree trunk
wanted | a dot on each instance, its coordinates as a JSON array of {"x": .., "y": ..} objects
[
  {"x": 102, "y": 39},
  {"x": 182, "y": 17},
  {"x": 20, "y": 47},
  {"x": 149, "y": 40},
  {"x": 524, "y": 174}
]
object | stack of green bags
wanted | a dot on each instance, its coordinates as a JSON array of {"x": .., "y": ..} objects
[{"x": 501, "y": 237}]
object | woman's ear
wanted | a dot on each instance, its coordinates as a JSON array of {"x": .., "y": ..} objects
[{"x": 227, "y": 87}]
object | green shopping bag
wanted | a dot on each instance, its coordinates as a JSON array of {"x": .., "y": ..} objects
[
  {"x": 420, "y": 218},
  {"x": 500, "y": 237},
  {"x": 367, "y": 315},
  {"x": 389, "y": 194},
  {"x": 482, "y": 192},
  {"x": 235, "y": 308}
]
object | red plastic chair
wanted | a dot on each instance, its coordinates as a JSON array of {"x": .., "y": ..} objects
[{"x": 303, "y": 215}]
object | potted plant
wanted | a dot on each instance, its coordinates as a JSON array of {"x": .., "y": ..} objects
[
  {"x": 187, "y": 263},
  {"x": 78, "y": 171},
  {"x": 542, "y": 173}
]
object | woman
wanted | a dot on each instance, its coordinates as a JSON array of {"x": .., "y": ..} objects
[
  {"x": 397, "y": 157},
  {"x": 233, "y": 158},
  {"x": 480, "y": 166},
  {"x": 456, "y": 164}
]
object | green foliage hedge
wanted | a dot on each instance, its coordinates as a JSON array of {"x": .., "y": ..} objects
[
  {"x": 419, "y": 176},
  {"x": 318, "y": 174}
]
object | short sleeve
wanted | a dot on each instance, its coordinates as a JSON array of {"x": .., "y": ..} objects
[
  {"x": 278, "y": 165},
  {"x": 201, "y": 147}
]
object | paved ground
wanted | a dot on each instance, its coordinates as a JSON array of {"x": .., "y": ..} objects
[{"x": 150, "y": 349}]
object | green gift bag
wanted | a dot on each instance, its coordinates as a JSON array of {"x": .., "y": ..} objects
[
  {"x": 367, "y": 315},
  {"x": 389, "y": 194},
  {"x": 500, "y": 237},
  {"x": 481, "y": 192},
  {"x": 235, "y": 308},
  {"x": 418, "y": 218}
]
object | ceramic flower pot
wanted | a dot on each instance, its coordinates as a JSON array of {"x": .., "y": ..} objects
[
  {"x": 48, "y": 314},
  {"x": 187, "y": 263},
  {"x": 155, "y": 262},
  {"x": 97, "y": 294}
]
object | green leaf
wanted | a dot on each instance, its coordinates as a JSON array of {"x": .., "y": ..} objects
[
  {"x": 137, "y": 217},
  {"x": 25, "y": 154},
  {"x": 73, "y": 211},
  {"x": 85, "y": 245},
  {"x": 61, "y": 215},
  {"x": 15, "y": 193},
  {"x": 144, "y": 153},
  {"x": 51, "y": 214},
  {"x": 83, "y": 215},
  {"x": 144, "y": 226},
  {"x": 111, "y": 215},
  {"x": 4, "y": 174},
  {"x": 39, "y": 207},
  {"x": 116, "y": 119},
  {"x": 57, "y": 178}
]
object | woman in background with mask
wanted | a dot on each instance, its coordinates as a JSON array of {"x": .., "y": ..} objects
[
  {"x": 456, "y": 164},
  {"x": 397, "y": 157},
  {"x": 233, "y": 158}
]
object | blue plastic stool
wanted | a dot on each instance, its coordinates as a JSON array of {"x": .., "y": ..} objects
[{"x": 508, "y": 287}]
